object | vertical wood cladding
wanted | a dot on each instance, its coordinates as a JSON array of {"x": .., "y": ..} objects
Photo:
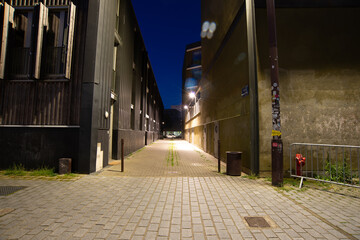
[
  {"x": 33, "y": 2},
  {"x": 104, "y": 58},
  {"x": 57, "y": 101},
  {"x": 134, "y": 77},
  {"x": 124, "y": 65},
  {"x": 46, "y": 101},
  {"x": 39, "y": 103}
]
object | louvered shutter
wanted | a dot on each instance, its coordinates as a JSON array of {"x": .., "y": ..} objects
[
  {"x": 8, "y": 18},
  {"x": 71, "y": 22},
  {"x": 43, "y": 22}
]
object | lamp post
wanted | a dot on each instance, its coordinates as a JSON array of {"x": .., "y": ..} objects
[
  {"x": 192, "y": 95},
  {"x": 276, "y": 142}
]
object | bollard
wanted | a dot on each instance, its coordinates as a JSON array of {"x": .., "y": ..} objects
[
  {"x": 122, "y": 155},
  {"x": 64, "y": 165},
  {"x": 233, "y": 163},
  {"x": 219, "y": 160}
]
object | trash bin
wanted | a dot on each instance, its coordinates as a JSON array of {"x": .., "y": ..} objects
[
  {"x": 233, "y": 163},
  {"x": 64, "y": 165}
]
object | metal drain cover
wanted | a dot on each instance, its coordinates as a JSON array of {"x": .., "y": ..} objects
[
  {"x": 257, "y": 222},
  {"x": 7, "y": 190}
]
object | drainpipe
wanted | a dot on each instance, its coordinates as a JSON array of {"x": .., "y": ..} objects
[{"x": 253, "y": 87}]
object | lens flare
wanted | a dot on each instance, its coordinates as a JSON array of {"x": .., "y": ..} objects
[
  {"x": 205, "y": 26},
  {"x": 212, "y": 27}
]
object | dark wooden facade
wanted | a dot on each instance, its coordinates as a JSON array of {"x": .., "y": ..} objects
[{"x": 44, "y": 117}]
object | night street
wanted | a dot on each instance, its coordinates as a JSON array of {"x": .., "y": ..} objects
[
  {"x": 186, "y": 200},
  {"x": 180, "y": 119}
]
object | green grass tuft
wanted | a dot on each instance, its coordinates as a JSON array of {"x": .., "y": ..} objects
[
  {"x": 16, "y": 170},
  {"x": 44, "y": 171}
]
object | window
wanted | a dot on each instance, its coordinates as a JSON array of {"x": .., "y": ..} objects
[
  {"x": 55, "y": 44},
  {"x": 37, "y": 41},
  {"x": 19, "y": 48}
]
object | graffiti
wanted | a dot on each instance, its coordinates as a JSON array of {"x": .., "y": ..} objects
[{"x": 275, "y": 110}]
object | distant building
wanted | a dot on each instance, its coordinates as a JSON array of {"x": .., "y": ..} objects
[
  {"x": 172, "y": 122},
  {"x": 75, "y": 79},
  {"x": 319, "y": 65},
  {"x": 177, "y": 107},
  {"x": 191, "y": 76}
]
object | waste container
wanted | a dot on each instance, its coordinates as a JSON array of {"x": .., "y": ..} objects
[
  {"x": 233, "y": 163},
  {"x": 64, "y": 165}
]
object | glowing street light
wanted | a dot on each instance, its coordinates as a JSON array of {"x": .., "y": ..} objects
[
  {"x": 192, "y": 95},
  {"x": 186, "y": 107},
  {"x": 208, "y": 29}
]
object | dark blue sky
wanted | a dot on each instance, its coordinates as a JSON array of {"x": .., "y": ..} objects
[{"x": 167, "y": 26}]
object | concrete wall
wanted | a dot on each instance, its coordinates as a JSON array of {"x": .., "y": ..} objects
[
  {"x": 319, "y": 79},
  {"x": 319, "y": 68},
  {"x": 225, "y": 74}
]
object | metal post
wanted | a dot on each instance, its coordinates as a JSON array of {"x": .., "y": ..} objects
[
  {"x": 219, "y": 161},
  {"x": 253, "y": 86},
  {"x": 276, "y": 142},
  {"x": 122, "y": 155}
]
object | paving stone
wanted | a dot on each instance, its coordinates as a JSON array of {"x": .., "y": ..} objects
[
  {"x": 186, "y": 233},
  {"x": 149, "y": 202}
]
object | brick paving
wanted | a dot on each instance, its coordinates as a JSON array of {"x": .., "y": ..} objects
[
  {"x": 156, "y": 200},
  {"x": 166, "y": 158}
]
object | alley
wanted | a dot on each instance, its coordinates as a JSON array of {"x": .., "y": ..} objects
[
  {"x": 171, "y": 190},
  {"x": 170, "y": 158}
]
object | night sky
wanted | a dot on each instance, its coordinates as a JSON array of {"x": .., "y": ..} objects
[{"x": 167, "y": 26}]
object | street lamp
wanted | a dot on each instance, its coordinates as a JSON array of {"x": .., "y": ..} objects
[
  {"x": 186, "y": 107},
  {"x": 192, "y": 95},
  {"x": 208, "y": 29}
]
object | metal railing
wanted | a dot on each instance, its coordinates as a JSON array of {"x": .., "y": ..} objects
[
  {"x": 338, "y": 164},
  {"x": 193, "y": 111}
]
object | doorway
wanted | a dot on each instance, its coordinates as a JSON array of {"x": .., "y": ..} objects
[
  {"x": 216, "y": 138},
  {"x": 111, "y": 131}
]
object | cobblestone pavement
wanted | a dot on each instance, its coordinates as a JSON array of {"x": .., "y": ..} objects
[
  {"x": 208, "y": 206},
  {"x": 166, "y": 158}
]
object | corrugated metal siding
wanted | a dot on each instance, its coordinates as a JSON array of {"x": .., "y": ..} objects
[
  {"x": 78, "y": 60},
  {"x": 124, "y": 74},
  {"x": 38, "y": 103},
  {"x": 104, "y": 58},
  {"x": 47, "y": 102},
  {"x": 33, "y": 2},
  {"x": 138, "y": 74},
  {"x": 133, "y": 76}
]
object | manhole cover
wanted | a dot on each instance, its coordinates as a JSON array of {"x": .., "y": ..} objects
[
  {"x": 257, "y": 222},
  {"x": 7, "y": 190}
]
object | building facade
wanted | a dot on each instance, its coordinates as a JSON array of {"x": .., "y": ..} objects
[
  {"x": 319, "y": 78},
  {"x": 75, "y": 79},
  {"x": 172, "y": 122},
  {"x": 191, "y": 75}
]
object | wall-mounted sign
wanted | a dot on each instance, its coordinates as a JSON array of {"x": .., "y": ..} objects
[
  {"x": 275, "y": 133},
  {"x": 245, "y": 91}
]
